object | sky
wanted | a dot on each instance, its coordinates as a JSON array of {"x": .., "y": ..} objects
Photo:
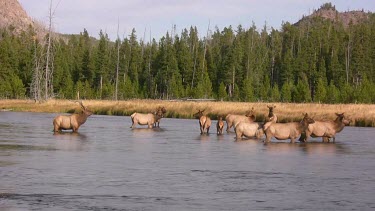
[{"x": 156, "y": 18}]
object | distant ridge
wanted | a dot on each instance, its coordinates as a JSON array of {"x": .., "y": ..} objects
[{"x": 329, "y": 12}]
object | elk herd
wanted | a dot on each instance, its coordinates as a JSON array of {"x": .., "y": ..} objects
[{"x": 245, "y": 126}]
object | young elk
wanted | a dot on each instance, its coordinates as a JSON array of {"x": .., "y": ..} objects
[
  {"x": 204, "y": 121},
  {"x": 74, "y": 121},
  {"x": 146, "y": 119},
  {"x": 291, "y": 130},
  {"x": 271, "y": 118},
  {"x": 220, "y": 125},
  {"x": 231, "y": 119},
  {"x": 326, "y": 129},
  {"x": 163, "y": 110}
]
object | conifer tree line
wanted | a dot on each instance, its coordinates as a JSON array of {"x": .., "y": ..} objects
[{"x": 315, "y": 61}]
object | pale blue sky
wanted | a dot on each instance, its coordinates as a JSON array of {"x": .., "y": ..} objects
[{"x": 72, "y": 16}]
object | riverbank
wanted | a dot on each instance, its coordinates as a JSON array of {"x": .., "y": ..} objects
[{"x": 360, "y": 114}]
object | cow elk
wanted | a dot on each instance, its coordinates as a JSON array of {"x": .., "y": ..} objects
[
  {"x": 149, "y": 119},
  {"x": 249, "y": 130},
  {"x": 326, "y": 129},
  {"x": 71, "y": 122},
  {"x": 291, "y": 130},
  {"x": 220, "y": 125},
  {"x": 233, "y": 119},
  {"x": 204, "y": 121}
]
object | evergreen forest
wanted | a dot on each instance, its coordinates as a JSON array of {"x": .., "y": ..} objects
[{"x": 317, "y": 60}]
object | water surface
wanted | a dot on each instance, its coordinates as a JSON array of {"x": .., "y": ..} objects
[{"x": 109, "y": 166}]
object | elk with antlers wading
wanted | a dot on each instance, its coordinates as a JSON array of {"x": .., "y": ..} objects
[{"x": 71, "y": 122}]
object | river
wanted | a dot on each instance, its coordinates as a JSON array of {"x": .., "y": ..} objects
[{"x": 109, "y": 166}]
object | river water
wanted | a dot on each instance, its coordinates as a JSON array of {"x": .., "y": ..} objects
[{"x": 109, "y": 166}]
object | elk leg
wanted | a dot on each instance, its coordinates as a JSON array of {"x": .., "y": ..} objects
[
  {"x": 134, "y": 124},
  {"x": 303, "y": 137},
  {"x": 228, "y": 127},
  {"x": 56, "y": 129},
  {"x": 208, "y": 129}
]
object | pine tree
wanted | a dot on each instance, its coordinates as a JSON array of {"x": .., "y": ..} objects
[
  {"x": 320, "y": 92},
  {"x": 248, "y": 91},
  {"x": 222, "y": 93},
  {"x": 286, "y": 92}
]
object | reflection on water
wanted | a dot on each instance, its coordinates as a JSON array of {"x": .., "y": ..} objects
[
  {"x": 109, "y": 166},
  {"x": 323, "y": 148},
  {"x": 308, "y": 148},
  {"x": 70, "y": 141}
]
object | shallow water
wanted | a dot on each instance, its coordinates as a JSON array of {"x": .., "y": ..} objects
[{"x": 108, "y": 166}]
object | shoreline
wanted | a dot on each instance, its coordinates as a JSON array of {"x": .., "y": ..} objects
[{"x": 362, "y": 115}]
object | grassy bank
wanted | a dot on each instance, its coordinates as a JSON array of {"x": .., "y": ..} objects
[{"x": 360, "y": 114}]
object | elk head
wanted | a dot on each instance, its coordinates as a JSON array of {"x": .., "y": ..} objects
[
  {"x": 342, "y": 118},
  {"x": 251, "y": 114},
  {"x": 307, "y": 120},
  {"x": 270, "y": 110},
  {"x": 199, "y": 113},
  {"x": 85, "y": 111}
]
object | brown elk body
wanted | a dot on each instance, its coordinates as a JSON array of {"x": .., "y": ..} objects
[
  {"x": 291, "y": 130},
  {"x": 71, "y": 122},
  {"x": 220, "y": 125},
  {"x": 233, "y": 119},
  {"x": 163, "y": 110},
  {"x": 326, "y": 129},
  {"x": 249, "y": 130},
  {"x": 204, "y": 122},
  {"x": 271, "y": 118},
  {"x": 146, "y": 119}
]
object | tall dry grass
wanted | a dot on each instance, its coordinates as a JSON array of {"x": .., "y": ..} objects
[{"x": 360, "y": 114}]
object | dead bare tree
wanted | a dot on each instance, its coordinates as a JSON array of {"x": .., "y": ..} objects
[
  {"x": 118, "y": 59},
  {"x": 43, "y": 63},
  {"x": 35, "y": 86}
]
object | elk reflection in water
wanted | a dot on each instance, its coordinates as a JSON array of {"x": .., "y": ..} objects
[{"x": 70, "y": 141}]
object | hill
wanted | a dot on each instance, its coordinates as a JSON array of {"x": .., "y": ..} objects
[
  {"x": 329, "y": 12},
  {"x": 13, "y": 16}
]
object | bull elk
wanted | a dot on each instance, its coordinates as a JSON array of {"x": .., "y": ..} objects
[
  {"x": 249, "y": 130},
  {"x": 220, "y": 125},
  {"x": 163, "y": 110},
  {"x": 204, "y": 121},
  {"x": 71, "y": 122},
  {"x": 291, "y": 130},
  {"x": 326, "y": 129},
  {"x": 149, "y": 119},
  {"x": 271, "y": 118},
  {"x": 233, "y": 119}
]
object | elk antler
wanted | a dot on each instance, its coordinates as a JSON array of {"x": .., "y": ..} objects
[{"x": 81, "y": 104}]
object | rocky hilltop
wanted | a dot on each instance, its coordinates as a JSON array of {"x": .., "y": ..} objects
[
  {"x": 13, "y": 16},
  {"x": 329, "y": 12}
]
